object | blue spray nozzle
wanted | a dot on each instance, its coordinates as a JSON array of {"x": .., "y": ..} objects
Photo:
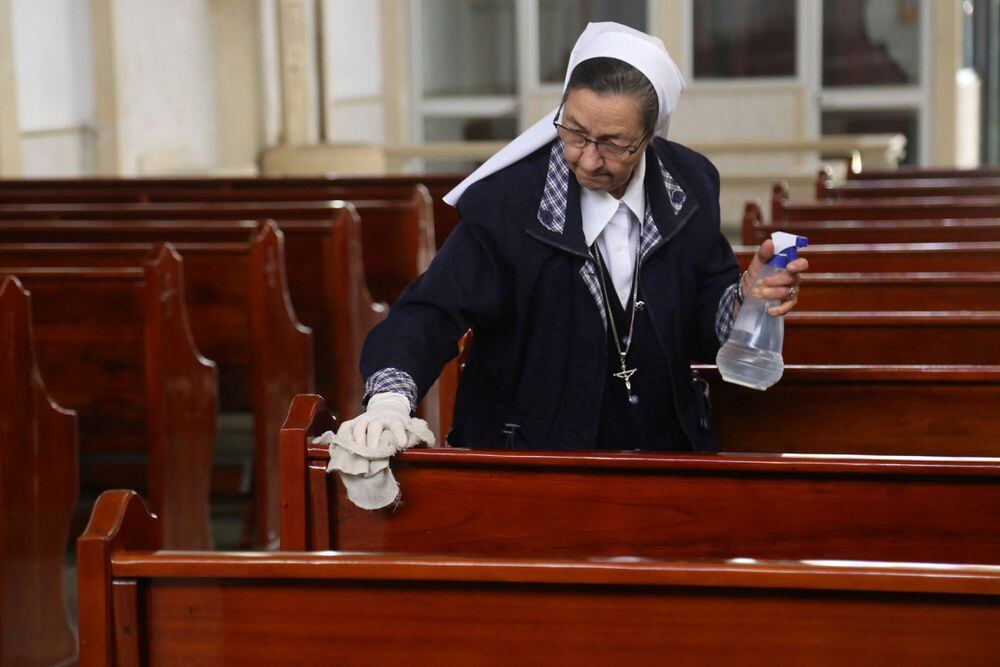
[{"x": 786, "y": 248}]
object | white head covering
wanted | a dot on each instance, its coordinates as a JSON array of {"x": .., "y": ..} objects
[{"x": 612, "y": 40}]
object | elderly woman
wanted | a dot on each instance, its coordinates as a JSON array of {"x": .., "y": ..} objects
[{"x": 590, "y": 266}]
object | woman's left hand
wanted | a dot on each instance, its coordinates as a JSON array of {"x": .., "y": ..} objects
[{"x": 782, "y": 286}]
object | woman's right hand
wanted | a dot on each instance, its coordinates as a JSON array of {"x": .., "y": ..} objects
[{"x": 386, "y": 411}]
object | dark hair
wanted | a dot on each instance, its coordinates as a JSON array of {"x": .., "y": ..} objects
[{"x": 610, "y": 76}]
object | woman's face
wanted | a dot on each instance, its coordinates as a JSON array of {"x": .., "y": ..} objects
[{"x": 611, "y": 118}]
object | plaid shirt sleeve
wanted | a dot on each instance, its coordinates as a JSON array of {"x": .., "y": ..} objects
[
  {"x": 725, "y": 316},
  {"x": 394, "y": 380}
]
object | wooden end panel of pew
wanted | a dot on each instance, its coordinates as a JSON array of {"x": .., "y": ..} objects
[
  {"x": 183, "y": 398},
  {"x": 282, "y": 368},
  {"x": 115, "y": 345},
  {"x": 497, "y": 503},
  {"x": 38, "y": 491},
  {"x": 868, "y": 410},
  {"x": 154, "y": 607},
  {"x": 891, "y": 337}
]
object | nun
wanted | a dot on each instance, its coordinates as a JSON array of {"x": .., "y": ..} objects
[{"x": 589, "y": 264}]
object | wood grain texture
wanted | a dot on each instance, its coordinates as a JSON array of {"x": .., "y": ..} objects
[{"x": 890, "y": 208}]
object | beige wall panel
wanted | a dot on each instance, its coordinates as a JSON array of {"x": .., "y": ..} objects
[{"x": 10, "y": 144}]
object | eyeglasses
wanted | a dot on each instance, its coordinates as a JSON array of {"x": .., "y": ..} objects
[{"x": 606, "y": 149}]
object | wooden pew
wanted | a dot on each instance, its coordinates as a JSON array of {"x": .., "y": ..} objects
[
  {"x": 898, "y": 187},
  {"x": 896, "y": 208},
  {"x": 303, "y": 188},
  {"x": 114, "y": 344},
  {"x": 891, "y": 337},
  {"x": 139, "y": 605},
  {"x": 863, "y": 409},
  {"x": 906, "y": 172},
  {"x": 676, "y": 506},
  {"x": 326, "y": 279},
  {"x": 237, "y": 302},
  {"x": 394, "y": 220},
  {"x": 755, "y": 230},
  {"x": 956, "y": 291},
  {"x": 38, "y": 490},
  {"x": 890, "y": 257}
]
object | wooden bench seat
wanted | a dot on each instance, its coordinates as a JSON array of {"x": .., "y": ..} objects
[
  {"x": 908, "y": 187},
  {"x": 241, "y": 318},
  {"x": 114, "y": 344},
  {"x": 605, "y": 504},
  {"x": 38, "y": 491},
  {"x": 889, "y": 257},
  {"x": 898, "y": 208},
  {"x": 144, "y": 606},
  {"x": 910, "y": 172},
  {"x": 953, "y": 230},
  {"x": 873, "y": 410},
  {"x": 891, "y": 337},
  {"x": 956, "y": 291}
]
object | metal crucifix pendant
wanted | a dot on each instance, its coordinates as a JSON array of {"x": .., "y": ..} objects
[{"x": 626, "y": 375}]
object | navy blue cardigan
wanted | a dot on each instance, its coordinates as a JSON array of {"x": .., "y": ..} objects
[{"x": 539, "y": 358}]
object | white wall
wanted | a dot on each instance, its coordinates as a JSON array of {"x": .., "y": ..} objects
[
  {"x": 54, "y": 73},
  {"x": 166, "y": 104}
]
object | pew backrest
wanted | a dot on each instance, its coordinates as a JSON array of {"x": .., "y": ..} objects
[
  {"x": 893, "y": 208},
  {"x": 501, "y": 503},
  {"x": 893, "y": 257}
]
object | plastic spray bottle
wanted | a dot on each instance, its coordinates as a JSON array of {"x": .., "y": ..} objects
[{"x": 752, "y": 355}]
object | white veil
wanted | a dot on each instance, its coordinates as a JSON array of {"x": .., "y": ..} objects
[{"x": 644, "y": 52}]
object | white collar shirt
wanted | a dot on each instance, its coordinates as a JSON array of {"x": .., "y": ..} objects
[{"x": 614, "y": 224}]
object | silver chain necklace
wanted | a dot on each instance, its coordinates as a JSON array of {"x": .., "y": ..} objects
[{"x": 626, "y": 373}]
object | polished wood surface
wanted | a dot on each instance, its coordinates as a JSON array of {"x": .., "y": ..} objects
[
  {"x": 114, "y": 344},
  {"x": 605, "y": 504},
  {"x": 38, "y": 490},
  {"x": 950, "y": 230},
  {"x": 241, "y": 317},
  {"x": 324, "y": 269},
  {"x": 876, "y": 257},
  {"x": 826, "y": 189},
  {"x": 137, "y": 603},
  {"x": 907, "y": 172},
  {"x": 915, "y": 291},
  {"x": 891, "y": 208},
  {"x": 891, "y": 337},
  {"x": 869, "y": 410}
]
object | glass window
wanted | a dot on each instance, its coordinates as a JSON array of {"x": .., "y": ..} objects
[
  {"x": 871, "y": 42},
  {"x": 744, "y": 38},
  {"x": 465, "y": 129},
  {"x": 483, "y": 32},
  {"x": 880, "y": 121},
  {"x": 560, "y": 22}
]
